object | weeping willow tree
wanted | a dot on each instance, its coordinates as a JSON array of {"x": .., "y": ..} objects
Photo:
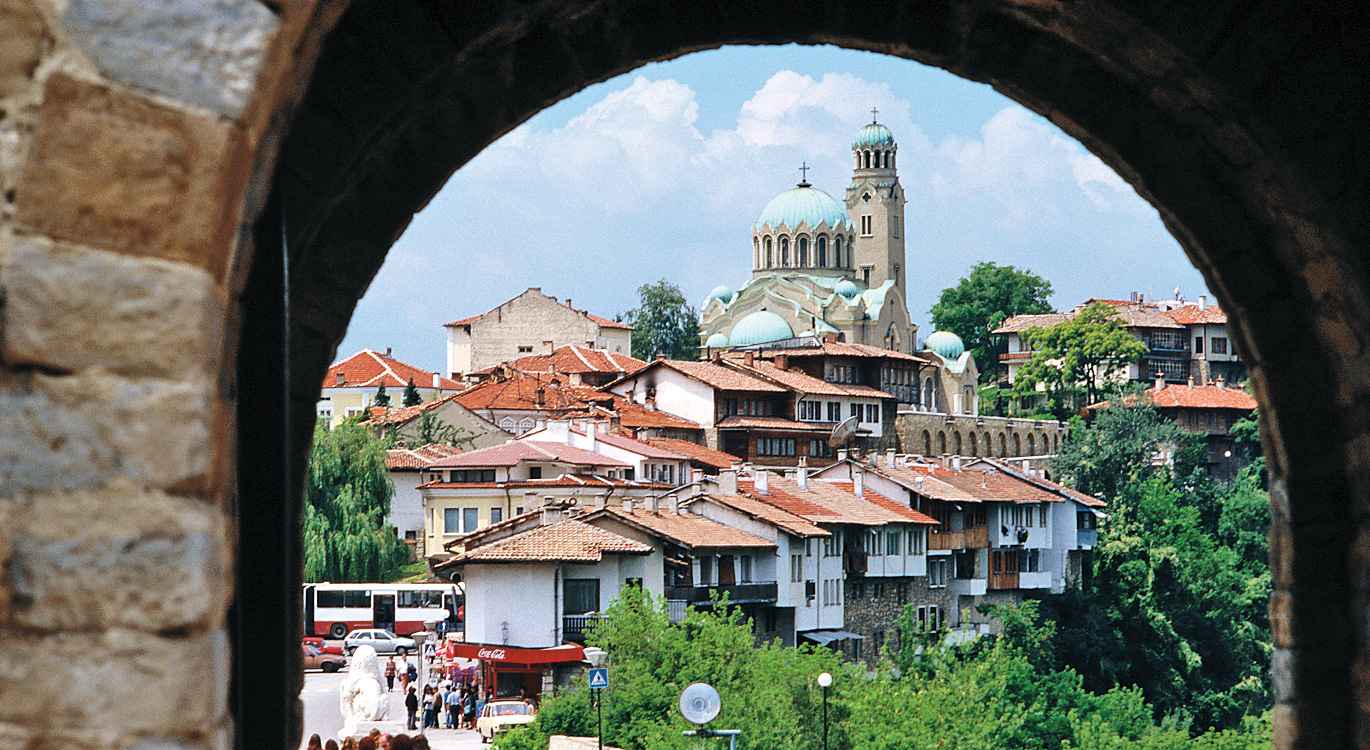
[{"x": 346, "y": 537}]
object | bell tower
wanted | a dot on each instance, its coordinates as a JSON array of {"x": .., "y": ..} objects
[{"x": 875, "y": 203}]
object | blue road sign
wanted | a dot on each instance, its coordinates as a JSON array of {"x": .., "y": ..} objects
[{"x": 599, "y": 678}]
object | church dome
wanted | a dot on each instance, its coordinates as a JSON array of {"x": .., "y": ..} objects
[
  {"x": 723, "y": 293},
  {"x": 873, "y": 134},
  {"x": 804, "y": 204},
  {"x": 717, "y": 341},
  {"x": 946, "y": 344},
  {"x": 758, "y": 328},
  {"x": 847, "y": 288}
]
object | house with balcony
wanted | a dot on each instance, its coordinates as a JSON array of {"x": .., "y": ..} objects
[{"x": 645, "y": 461}]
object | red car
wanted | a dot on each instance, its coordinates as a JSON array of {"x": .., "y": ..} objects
[{"x": 324, "y": 647}]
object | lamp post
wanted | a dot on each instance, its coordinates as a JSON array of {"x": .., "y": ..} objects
[
  {"x": 597, "y": 658},
  {"x": 825, "y": 682}
]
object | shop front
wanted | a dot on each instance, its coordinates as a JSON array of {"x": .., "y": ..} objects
[{"x": 514, "y": 672}]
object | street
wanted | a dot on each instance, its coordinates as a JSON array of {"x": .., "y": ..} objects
[{"x": 321, "y": 715}]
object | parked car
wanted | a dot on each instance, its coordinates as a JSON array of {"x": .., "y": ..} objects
[
  {"x": 500, "y": 716},
  {"x": 384, "y": 641},
  {"x": 326, "y": 647},
  {"x": 316, "y": 659}
]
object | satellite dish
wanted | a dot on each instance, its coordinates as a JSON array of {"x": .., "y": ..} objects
[
  {"x": 843, "y": 432},
  {"x": 699, "y": 703}
]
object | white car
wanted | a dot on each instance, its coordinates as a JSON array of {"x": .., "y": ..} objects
[
  {"x": 500, "y": 716},
  {"x": 384, "y": 641}
]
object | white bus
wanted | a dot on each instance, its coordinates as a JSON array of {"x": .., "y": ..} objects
[{"x": 332, "y": 610}]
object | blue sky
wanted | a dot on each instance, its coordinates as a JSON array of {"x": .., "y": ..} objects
[{"x": 660, "y": 173}]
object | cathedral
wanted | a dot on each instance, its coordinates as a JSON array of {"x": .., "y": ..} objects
[{"x": 822, "y": 266}]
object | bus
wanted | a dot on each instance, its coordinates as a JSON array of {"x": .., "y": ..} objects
[{"x": 332, "y": 610}]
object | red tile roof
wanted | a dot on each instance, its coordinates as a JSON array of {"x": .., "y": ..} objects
[
  {"x": 603, "y": 322},
  {"x": 638, "y": 417},
  {"x": 606, "y": 323},
  {"x": 579, "y": 359},
  {"x": 982, "y": 482},
  {"x": 805, "y": 383},
  {"x": 772, "y": 514},
  {"x": 565, "y": 541},
  {"x": 717, "y": 376},
  {"x": 368, "y": 369},
  {"x": 1020, "y": 323},
  {"x": 1088, "y": 501},
  {"x": 402, "y": 459},
  {"x": 833, "y": 502},
  {"x": 843, "y": 349},
  {"x": 573, "y": 481},
  {"x": 520, "y": 392},
  {"x": 1192, "y": 397},
  {"x": 516, "y": 451},
  {"x": 640, "y": 447},
  {"x": 740, "y": 421},
  {"x": 405, "y": 414},
  {"x": 1191, "y": 315},
  {"x": 697, "y": 453},
  {"x": 686, "y": 529}
]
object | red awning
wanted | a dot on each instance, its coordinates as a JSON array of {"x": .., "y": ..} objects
[{"x": 565, "y": 654}]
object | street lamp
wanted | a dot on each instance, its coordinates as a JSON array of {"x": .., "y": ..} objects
[
  {"x": 825, "y": 682},
  {"x": 597, "y": 658}
]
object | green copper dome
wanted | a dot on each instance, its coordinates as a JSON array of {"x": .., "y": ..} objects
[
  {"x": 945, "y": 344},
  {"x": 873, "y": 134},
  {"x": 723, "y": 293},
  {"x": 847, "y": 288},
  {"x": 804, "y": 204},
  {"x": 758, "y": 328},
  {"x": 717, "y": 341}
]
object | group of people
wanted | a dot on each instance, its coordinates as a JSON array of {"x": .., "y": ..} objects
[
  {"x": 376, "y": 740},
  {"x": 460, "y": 704}
]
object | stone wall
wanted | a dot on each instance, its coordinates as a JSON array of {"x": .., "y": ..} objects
[
  {"x": 931, "y": 434},
  {"x": 873, "y": 607},
  {"x": 542, "y": 323}
]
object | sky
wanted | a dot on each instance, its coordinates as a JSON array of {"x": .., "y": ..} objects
[{"x": 659, "y": 173}]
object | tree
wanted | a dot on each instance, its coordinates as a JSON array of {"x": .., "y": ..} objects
[
  {"x": 411, "y": 394},
  {"x": 430, "y": 429},
  {"x": 381, "y": 398},
  {"x": 346, "y": 502},
  {"x": 982, "y": 301},
  {"x": 1079, "y": 356},
  {"x": 663, "y": 323}
]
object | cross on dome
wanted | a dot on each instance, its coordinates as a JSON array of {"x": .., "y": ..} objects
[
  {"x": 874, "y": 111},
  {"x": 804, "y": 174}
]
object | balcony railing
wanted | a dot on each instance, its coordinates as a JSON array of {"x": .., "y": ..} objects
[
  {"x": 1003, "y": 580},
  {"x": 977, "y": 537},
  {"x": 738, "y": 593},
  {"x": 946, "y": 540},
  {"x": 575, "y": 627},
  {"x": 855, "y": 562}
]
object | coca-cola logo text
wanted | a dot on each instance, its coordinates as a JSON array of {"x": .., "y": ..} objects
[{"x": 491, "y": 653}]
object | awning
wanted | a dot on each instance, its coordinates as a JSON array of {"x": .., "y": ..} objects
[
  {"x": 824, "y": 637},
  {"x": 495, "y": 654}
]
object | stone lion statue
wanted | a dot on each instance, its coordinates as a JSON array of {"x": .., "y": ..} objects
[{"x": 361, "y": 696}]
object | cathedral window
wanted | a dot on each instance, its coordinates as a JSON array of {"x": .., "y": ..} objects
[
  {"x": 867, "y": 160},
  {"x": 866, "y": 225},
  {"x": 803, "y": 252},
  {"x": 785, "y": 251},
  {"x": 894, "y": 226},
  {"x": 769, "y": 260},
  {"x": 837, "y": 250},
  {"x": 756, "y": 253},
  {"x": 822, "y": 251}
]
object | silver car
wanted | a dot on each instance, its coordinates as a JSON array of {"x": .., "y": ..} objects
[{"x": 384, "y": 641}]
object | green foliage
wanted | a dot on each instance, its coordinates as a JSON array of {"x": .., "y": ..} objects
[
  {"x": 381, "y": 398},
  {"x": 984, "y": 299},
  {"x": 663, "y": 323},
  {"x": 1077, "y": 358},
  {"x": 346, "y": 501},
  {"x": 411, "y": 394},
  {"x": 431, "y": 429}
]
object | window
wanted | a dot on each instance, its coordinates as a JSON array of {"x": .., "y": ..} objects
[
  {"x": 729, "y": 407},
  {"x": 1170, "y": 369},
  {"x": 496, "y": 515},
  {"x": 1085, "y": 520},
  {"x": 802, "y": 252},
  {"x": 418, "y": 599},
  {"x": 855, "y": 411},
  {"x": 832, "y": 546},
  {"x": 775, "y": 446},
  {"x": 706, "y": 570},
  {"x": 343, "y": 598},
  {"x": 518, "y": 511},
  {"x": 837, "y": 251},
  {"x": 873, "y": 413},
  {"x": 811, "y": 411},
  {"x": 785, "y": 251},
  {"x": 822, "y": 251},
  {"x": 901, "y": 592},
  {"x": 580, "y": 595},
  {"x": 525, "y": 350},
  {"x": 745, "y": 565},
  {"x": 937, "y": 573},
  {"x": 796, "y": 568},
  {"x": 819, "y": 448},
  {"x": 470, "y": 519},
  {"x": 857, "y": 590},
  {"x": 916, "y": 541},
  {"x": 1219, "y": 345},
  {"x": 894, "y": 225},
  {"x": 768, "y": 253},
  {"x": 810, "y": 545},
  {"x": 1027, "y": 516},
  {"x": 834, "y": 411},
  {"x": 471, "y": 475},
  {"x": 856, "y": 648},
  {"x": 892, "y": 542},
  {"x": 451, "y": 520},
  {"x": 1168, "y": 340},
  {"x": 810, "y": 592},
  {"x": 1030, "y": 561},
  {"x": 866, "y": 230},
  {"x": 1042, "y": 515},
  {"x": 877, "y": 592},
  {"x": 1198, "y": 344},
  {"x": 535, "y": 472}
]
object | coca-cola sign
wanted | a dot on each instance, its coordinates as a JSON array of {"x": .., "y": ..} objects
[{"x": 494, "y": 654}]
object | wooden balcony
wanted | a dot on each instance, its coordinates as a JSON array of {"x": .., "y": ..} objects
[
  {"x": 946, "y": 539},
  {"x": 575, "y": 627},
  {"x": 740, "y": 593},
  {"x": 998, "y": 581},
  {"x": 977, "y": 537}
]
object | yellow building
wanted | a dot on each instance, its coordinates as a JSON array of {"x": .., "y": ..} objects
[{"x": 350, "y": 385}]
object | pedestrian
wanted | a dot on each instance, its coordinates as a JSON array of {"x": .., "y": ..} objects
[
  {"x": 390, "y": 673},
  {"x": 367, "y": 743},
  {"x": 411, "y": 703},
  {"x": 331, "y": 744},
  {"x": 315, "y": 742},
  {"x": 401, "y": 742},
  {"x": 420, "y": 742},
  {"x": 427, "y": 706},
  {"x": 412, "y": 670},
  {"x": 480, "y": 704},
  {"x": 469, "y": 708},
  {"x": 349, "y": 744},
  {"x": 453, "y": 707}
]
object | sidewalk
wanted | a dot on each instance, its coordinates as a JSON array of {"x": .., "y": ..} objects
[{"x": 438, "y": 739}]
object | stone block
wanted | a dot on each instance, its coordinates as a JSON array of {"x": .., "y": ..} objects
[
  {"x": 21, "y": 44},
  {"x": 162, "y": 562},
  {"x": 87, "y": 430},
  {"x": 71, "y": 308},
  {"x": 201, "y": 52},
  {"x": 126, "y": 683},
  {"x": 109, "y": 169}
]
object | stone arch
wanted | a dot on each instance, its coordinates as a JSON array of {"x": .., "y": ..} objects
[
  {"x": 1032, "y": 444},
  {"x": 974, "y": 444},
  {"x": 927, "y": 443},
  {"x": 1003, "y": 445},
  {"x": 988, "y": 442},
  {"x": 956, "y": 442},
  {"x": 941, "y": 442},
  {"x": 1017, "y": 445},
  {"x": 1215, "y": 138}
]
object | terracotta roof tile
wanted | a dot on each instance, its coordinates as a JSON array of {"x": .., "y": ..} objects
[
  {"x": 687, "y": 529},
  {"x": 406, "y": 414},
  {"x": 368, "y": 369},
  {"x": 515, "y": 451},
  {"x": 719, "y": 376},
  {"x": 1191, "y": 315},
  {"x": 565, "y": 541},
  {"x": 562, "y": 481},
  {"x": 843, "y": 349},
  {"x": 418, "y": 458},
  {"x": 740, "y": 421},
  {"x": 640, "y": 447},
  {"x": 696, "y": 452},
  {"x": 1020, "y": 323},
  {"x": 833, "y": 502},
  {"x": 579, "y": 359},
  {"x": 1088, "y": 501},
  {"x": 972, "y": 484},
  {"x": 1192, "y": 397},
  {"x": 805, "y": 383},
  {"x": 521, "y": 392},
  {"x": 772, "y": 514}
]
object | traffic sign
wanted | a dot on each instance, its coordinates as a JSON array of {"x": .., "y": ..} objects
[{"x": 599, "y": 678}]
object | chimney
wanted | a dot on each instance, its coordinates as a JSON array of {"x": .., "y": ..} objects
[
  {"x": 1191, "y": 380},
  {"x": 762, "y": 482},
  {"x": 1220, "y": 382},
  {"x": 782, "y": 361},
  {"x": 531, "y": 502},
  {"x": 858, "y": 481},
  {"x": 841, "y": 454},
  {"x": 749, "y": 359},
  {"x": 601, "y": 501},
  {"x": 696, "y": 476},
  {"x": 672, "y": 504},
  {"x": 590, "y": 437},
  {"x": 339, "y": 378},
  {"x": 551, "y": 513},
  {"x": 653, "y": 504},
  {"x": 802, "y": 475},
  {"x": 1160, "y": 380},
  {"x": 627, "y": 505},
  {"x": 956, "y": 463},
  {"x": 889, "y": 457},
  {"x": 568, "y": 301},
  {"x": 540, "y": 396},
  {"x": 727, "y": 481},
  {"x": 1203, "y": 301},
  {"x": 387, "y": 351},
  {"x": 547, "y": 346},
  {"x": 1027, "y": 467},
  {"x": 946, "y": 460},
  {"x": 437, "y": 380}
]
